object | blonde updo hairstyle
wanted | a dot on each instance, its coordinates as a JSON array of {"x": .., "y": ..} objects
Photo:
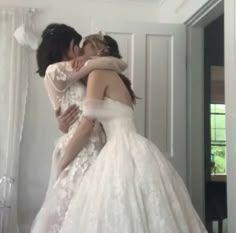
[{"x": 107, "y": 46}]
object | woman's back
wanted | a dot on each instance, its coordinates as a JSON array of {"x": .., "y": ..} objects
[{"x": 104, "y": 83}]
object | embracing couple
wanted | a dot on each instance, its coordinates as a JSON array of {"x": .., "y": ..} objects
[{"x": 105, "y": 178}]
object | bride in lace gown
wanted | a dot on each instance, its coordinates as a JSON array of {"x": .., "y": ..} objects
[
  {"x": 131, "y": 187},
  {"x": 65, "y": 90}
]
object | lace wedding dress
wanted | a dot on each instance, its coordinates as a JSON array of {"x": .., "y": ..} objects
[
  {"x": 131, "y": 187},
  {"x": 65, "y": 90}
]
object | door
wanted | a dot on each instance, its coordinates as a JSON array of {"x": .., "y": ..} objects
[{"x": 156, "y": 59}]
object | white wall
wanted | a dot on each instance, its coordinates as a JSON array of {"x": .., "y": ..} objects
[
  {"x": 230, "y": 96},
  {"x": 40, "y": 126},
  {"x": 178, "y": 11}
]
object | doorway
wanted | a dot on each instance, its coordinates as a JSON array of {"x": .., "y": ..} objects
[
  {"x": 215, "y": 127},
  {"x": 199, "y": 144}
]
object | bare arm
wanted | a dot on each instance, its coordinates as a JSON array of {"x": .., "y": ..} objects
[
  {"x": 99, "y": 63},
  {"x": 60, "y": 75},
  {"x": 95, "y": 89}
]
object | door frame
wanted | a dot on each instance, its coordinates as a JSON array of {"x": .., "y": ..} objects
[
  {"x": 195, "y": 100},
  {"x": 230, "y": 83}
]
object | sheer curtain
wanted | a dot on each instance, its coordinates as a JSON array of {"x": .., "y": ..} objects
[{"x": 15, "y": 42}]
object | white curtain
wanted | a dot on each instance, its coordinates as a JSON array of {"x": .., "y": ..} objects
[{"x": 14, "y": 70}]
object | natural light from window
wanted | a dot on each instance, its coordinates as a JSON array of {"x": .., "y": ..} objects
[{"x": 218, "y": 139}]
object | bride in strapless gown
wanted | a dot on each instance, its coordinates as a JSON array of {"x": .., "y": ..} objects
[{"x": 131, "y": 187}]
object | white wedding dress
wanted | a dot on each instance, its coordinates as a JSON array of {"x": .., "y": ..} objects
[
  {"x": 65, "y": 90},
  {"x": 131, "y": 187}
]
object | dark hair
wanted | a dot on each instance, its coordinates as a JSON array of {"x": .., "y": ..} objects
[
  {"x": 107, "y": 46},
  {"x": 56, "y": 39}
]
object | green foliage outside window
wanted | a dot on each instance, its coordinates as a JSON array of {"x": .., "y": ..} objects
[{"x": 218, "y": 139}]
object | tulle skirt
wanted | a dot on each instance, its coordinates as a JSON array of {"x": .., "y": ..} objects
[{"x": 131, "y": 188}]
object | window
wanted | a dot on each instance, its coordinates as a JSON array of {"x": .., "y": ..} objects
[{"x": 218, "y": 139}]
